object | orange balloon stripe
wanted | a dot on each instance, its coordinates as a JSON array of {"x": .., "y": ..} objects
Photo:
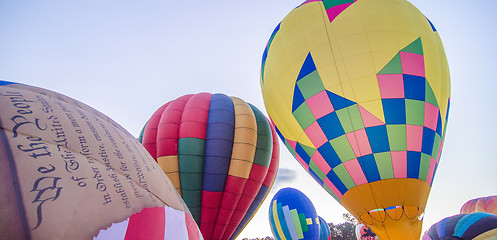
[
  {"x": 257, "y": 173},
  {"x": 266, "y": 184},
  {"x": 243, "y": 154}
]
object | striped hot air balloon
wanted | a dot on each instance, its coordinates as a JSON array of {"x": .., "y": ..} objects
[
  {"x": 472, "y": 226},
  {"x": 221, "y": 154}
]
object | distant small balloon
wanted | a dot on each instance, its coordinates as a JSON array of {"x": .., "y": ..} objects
[
  {"x": 482, "y": 204},
  {"x": 324, "y": 229},
  {"x": 293, "y": 216},
  {"x": 364, "y": 232}
]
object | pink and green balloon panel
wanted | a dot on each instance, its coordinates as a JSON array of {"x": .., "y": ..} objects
[
  {"x": 220, "y": 153},
  {"x": 408, "y": 142}
]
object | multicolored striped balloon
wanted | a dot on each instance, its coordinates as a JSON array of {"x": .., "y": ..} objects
[
  {"x": 359, "y": 92},
  {"x": 472, "y": 226},
  {"x": 482, "y": 204},
  {"x": 220, "y": 153},
  {"x": 293, "y": 216},
  {"x": 156, "y": 223}
]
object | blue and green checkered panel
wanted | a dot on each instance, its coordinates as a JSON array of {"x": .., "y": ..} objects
[{"x": 355, "y": 150}]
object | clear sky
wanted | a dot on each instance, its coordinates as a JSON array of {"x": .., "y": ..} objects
[{"x": 126, "y": 58}]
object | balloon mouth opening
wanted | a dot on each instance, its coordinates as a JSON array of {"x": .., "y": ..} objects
[{"x": 393, "y": 212}]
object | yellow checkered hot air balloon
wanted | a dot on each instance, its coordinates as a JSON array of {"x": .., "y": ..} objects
[{"x": 359, "y": 92}]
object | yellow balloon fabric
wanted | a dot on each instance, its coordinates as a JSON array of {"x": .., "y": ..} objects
[{"x": 359, "y": 92}]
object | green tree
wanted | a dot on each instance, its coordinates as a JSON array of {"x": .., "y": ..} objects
[
  {"x": 350, "y": 219},
  {"x": 344, "y": 231}
]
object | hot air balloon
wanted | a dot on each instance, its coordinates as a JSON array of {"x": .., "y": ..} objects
[
  {"x": 156, "y": 223},
  {"x": 69, "y": 171},
  {"x": 359, "y": 93},
  {"x": 363, "y": 232},
  {"x": 474, "y": 226},
  {"x": 324, "y": 229},
  {"x": 293, "y": 216},
  {"x": 482, "y": 204},
  {"x": 220, "y": 154}
]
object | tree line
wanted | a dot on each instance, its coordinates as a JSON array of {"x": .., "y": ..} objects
[{"x": 341, "y": 231}]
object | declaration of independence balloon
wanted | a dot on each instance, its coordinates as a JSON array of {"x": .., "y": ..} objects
[
  {"x": 221, "y": 154},
  {"x": 157, "y": 223},
  {"x": 69, "y": 171},
  {"x": 359, "y": 93}
]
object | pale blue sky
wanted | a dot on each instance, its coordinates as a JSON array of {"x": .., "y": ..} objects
[{"x": 126, "y": 58}]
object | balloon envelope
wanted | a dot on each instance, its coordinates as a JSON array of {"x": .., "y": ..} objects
[
  {"x": 474, "y": 226},
  {"x": 220, "y": 153},
  {"x": 156, "y": 223},
  {"x": 324, "y": 229},
  {"x": 68, "y": 170},
  {"x": 359, "y": 93},
  {"x": 482, "y": 204},
  {"x": 363, "y": 232},
  {"x": 293, "y": 216}
]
